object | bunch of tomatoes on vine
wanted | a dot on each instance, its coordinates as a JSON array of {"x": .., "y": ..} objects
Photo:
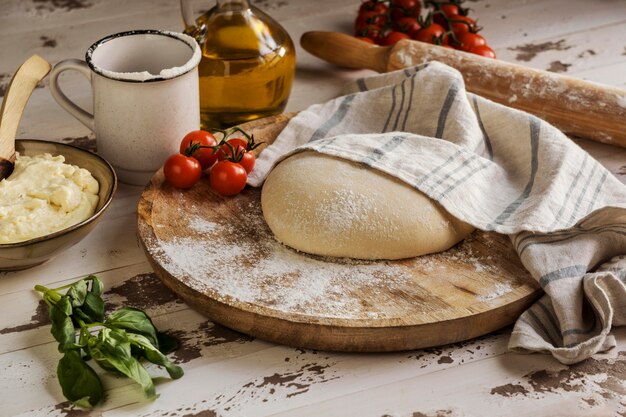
[
  {"x": 385, "y": 22},
  {"x": 227, "y": 162}
]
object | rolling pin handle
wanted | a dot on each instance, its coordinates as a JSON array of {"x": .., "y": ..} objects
[{"x": 345, "y": 50}]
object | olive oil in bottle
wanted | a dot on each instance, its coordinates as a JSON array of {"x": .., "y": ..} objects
[{"x": 247, "y": 67}]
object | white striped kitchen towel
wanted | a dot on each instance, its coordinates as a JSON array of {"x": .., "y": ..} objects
[{"x": 498, "y": 169}]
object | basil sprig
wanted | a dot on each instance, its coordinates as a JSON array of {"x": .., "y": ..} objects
[{"x": 116, "y": 343}]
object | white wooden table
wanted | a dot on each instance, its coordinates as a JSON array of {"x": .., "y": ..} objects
[{"x": 228, "y": 373}]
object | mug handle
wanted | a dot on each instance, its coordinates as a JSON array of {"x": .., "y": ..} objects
[{"x": 68, "y": 105}]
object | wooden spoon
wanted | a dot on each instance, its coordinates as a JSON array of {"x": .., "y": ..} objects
[{"x": 22, "y": 85}]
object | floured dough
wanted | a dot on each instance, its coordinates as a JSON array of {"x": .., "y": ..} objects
[{"x": 329, "y": 206}]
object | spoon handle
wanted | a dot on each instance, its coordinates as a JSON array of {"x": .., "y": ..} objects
[{"x": 22, "y": 85}]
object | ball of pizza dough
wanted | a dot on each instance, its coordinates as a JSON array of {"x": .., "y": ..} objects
[{"x": 329, "y": 206}]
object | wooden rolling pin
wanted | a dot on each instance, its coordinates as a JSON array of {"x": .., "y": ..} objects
[{"x": 579, "y": 108}]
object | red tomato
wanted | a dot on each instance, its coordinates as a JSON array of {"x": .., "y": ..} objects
[
  {"x": 404, "y": 8},
  {"x": 373, "y": 6},
  {"x": 447, "y": 10},
  {"x": 396, "y": 13},
  {"x": 238, "y": 144},
  {"x": 372, "y": 18},
  {"x": 372, "y": 32},
  {"x": 461, "y": 24},
  {"x": 432, "y": 34},
  {"x": 393, "y": 37},
  {"x": 228, "y": 178},
  {"x": 205, "y": 156},
  {"x": 247, "y": 161},
  {"x": 365, "y": 39},
  {"x": 406, "y": 5},
  {"x": 470, "y": 40},
  {"x": 408, "y": 25},
  {"x": 483, "y": 50},
  {"x": 182, "y": 171}
]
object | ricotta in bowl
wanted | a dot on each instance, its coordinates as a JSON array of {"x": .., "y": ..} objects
[{"x": 44, "y": 195}]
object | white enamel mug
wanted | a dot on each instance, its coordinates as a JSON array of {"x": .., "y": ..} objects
[{"x": 145, "y": 97}]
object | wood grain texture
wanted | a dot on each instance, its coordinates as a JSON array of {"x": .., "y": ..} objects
[
  {"x": 577, "y": 107},
  {"x": 279, "y": 294}
]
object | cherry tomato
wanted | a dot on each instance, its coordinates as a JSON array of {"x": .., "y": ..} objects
[
  {"x": 396, "y": 13},
  {"x": 228, "y": 178},
  {"x": 372, "y": 32},
  {"x": 432, "y": 34},
  {"x": 182, "y": 171},
  {"x": 410, "y": 7},
  {"x": 483, "y": 50},
  {"x": 408, "y": 25},
  {"x": 365, "y": 39},
  {"x": 373, "y": 6},
  {"x": 461, "y": 24},
  {"x": 393, "y": 37},
  {"x": 470, "y": 40},
  {"x": 205, "y": 156},
  {"x": 447, "y": 10},
  {"x": 372, "y": 18},
  {"x": 238, "y": 145},
  {"x": 247, "y": 161}
]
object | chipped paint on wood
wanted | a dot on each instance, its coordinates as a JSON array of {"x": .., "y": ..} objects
[
  {"x": 558, "y": 66},
  {"x": 84, "y": 142},
  {"x": 193, "y": 343},
  {"x": 606, "y": 377},
  {"x": 67, "y": 5},
  {"x": 47, "y": 42},
  {"x": 438, "y": 413},
  {"x": 143, "y": 291},
  {"x": 279, "y": 385},
  {"x": 269, "y": 5},
  {"x": 40, "y": 318},
  {"x": 528, "y": 51}
]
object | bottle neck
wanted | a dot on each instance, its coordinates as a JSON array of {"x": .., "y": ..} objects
[{"x": 232, "y": 5}]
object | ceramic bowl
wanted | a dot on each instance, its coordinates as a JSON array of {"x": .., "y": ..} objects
[{"x": 22, "y": 255}]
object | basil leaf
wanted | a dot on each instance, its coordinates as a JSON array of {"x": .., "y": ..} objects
[
  {"x": 79, "y": 382},
  {"x": 92, "y": 311},
  {"x": 167, "y": 343},
  {"x": 111, "y": 350},
  {"x": 77, "y": 293},
  {"x": 96, "y": 285},
  {"x": 135, "y": 321},
  {"x": 65, "y": 305},
  {"x": 78, "y": 314},
  {"x": 151, "y": 353},
  {"x": 62, "y": 327}
]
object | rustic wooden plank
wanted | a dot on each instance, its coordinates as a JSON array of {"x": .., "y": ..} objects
[
  {"x": 279, "y": 378},
  {"x": 571, "y": 53},
  {"x": 510, "y": 384},
  {"x": 22, "y": 16},
  {"x": 614, "y": 74}
]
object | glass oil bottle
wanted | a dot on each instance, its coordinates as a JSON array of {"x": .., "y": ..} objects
[{"x": 248, "y": 63}]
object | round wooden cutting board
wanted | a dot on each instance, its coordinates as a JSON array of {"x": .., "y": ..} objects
[{"x": 219, "y": 256}]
